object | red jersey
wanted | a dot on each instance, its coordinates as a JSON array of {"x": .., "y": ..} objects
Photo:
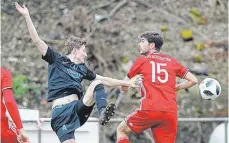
[
  {"x": 6, "y": 83},
  {"x": 159, "y": 86},
  {"x": 7, "y": 100}
]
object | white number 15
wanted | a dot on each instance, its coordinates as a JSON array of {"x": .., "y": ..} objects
[{"x": 157, "y": 68}]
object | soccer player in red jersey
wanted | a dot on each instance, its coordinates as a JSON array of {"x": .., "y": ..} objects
[
  {"x": 158, "y": 108},
  {"x": 10, "y": 133}
]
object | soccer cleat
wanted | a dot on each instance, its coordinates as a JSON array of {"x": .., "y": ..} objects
[{"x": 106, "y": 114}]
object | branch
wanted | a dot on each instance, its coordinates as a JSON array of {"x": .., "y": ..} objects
[
  {"x": 101, "y": 6},
  {"x": 100, "y": 58},
  {"x": 117, "y": 7}
]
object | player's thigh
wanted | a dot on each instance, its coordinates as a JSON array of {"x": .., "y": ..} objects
[
  {"x": 84, "y": 112},
  {"x": 139, "y": 121},
  {"x": 88, "y": 98},
  {"x": 166, "y": 131}
]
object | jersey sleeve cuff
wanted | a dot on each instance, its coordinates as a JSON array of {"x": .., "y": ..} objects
[
  {"x": 185, "y": 74},
  {"x": 128, "y": 76},
  {"x": 6, "y": 88}
]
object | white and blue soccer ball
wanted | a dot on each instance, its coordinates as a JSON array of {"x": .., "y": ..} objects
[{"x": 210, "y": 89}]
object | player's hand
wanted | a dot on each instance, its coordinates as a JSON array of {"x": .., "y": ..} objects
[
  {"x": 136, "y": 81},
  {"x": 22, "y": 137},
  {"x": 124, "y": 88},
  {"x": 177, "y": 88},
  {"x": 22, "y": 9}
]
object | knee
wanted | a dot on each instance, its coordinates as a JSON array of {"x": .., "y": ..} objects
[
  {"x": 95, "y": 83},
  {"x": 123, "y": 130},
  {"x": 91, "y": 89},
  {"x": 120, "y": 129}
]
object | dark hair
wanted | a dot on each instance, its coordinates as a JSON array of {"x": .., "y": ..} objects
[
  {"x": 73, "y": 42},
  {"x": 153, "y": 37}
]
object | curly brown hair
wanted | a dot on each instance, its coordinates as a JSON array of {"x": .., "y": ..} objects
[{"x": 74, "y": 42}]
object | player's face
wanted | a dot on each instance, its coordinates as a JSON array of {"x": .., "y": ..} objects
[
  {"x": 81, "y": 54},
  {"x": 144, "y": 46}
]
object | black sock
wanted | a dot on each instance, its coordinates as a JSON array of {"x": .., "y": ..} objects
[{"x": 100, "y": 97}]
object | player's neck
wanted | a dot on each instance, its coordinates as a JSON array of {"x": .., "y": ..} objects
[
  {"x": 153, "y": 52},
  {"x": 72, "y": 59}
]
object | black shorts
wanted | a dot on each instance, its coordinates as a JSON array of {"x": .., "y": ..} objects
[{"x": 67, "y": 118}]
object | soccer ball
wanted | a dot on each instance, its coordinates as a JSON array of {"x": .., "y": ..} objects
[{"x": 210, "y": 89}]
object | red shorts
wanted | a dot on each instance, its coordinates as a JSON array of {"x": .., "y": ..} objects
[
  {"x": 8, "y": 132},
  {"x": 163, "y": 124}
]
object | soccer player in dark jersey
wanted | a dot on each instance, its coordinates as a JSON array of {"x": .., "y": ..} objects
[
  {"x": 71, "y": 108},
  {"x": 158, "y": 108},
  {"x": 10, "y": 133}
]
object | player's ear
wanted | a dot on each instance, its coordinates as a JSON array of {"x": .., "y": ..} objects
[{"x": 152, "y": 45}]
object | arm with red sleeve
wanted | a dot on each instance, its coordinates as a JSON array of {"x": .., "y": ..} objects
[
  {"x": 9, "y": 99},
  {"x": 134, "y": 70},
  {"x": 182, "y": 72},
  {"x": 136, "y": 67}
]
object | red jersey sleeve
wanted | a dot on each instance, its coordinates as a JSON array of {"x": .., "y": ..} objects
[
  {"x": 12, "y": 107},
  {"x": 181, "y": 70},
  {"x": 6, "y": 79},
  {"x": 135, "y": 69},
  {"x": 7, "y": 94}
]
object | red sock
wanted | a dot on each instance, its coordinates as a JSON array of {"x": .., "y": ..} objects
[{"x": 123, "y": 140}]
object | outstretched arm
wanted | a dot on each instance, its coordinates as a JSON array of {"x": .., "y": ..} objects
[
  {"x": 125, "y": 88},
  {"x": 115, "y": 82},
  {"x": 40, "y": 44}
]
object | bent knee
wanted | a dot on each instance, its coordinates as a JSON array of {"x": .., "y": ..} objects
[
  {"x": 120, "y": 128},
  {"x": 123, "y": 128},
  {"x": 95, "y": 83},
  {"x": 92, "y": 87}
]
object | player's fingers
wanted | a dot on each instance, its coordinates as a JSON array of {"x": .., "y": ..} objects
[
  {"x": 26, "y": 141},
  {"x": 18, "y": 7},
  {"x": 140, "y": 79},
  {"x": 136, "y": 84},
  {"x": 16, "y": 4},
  {"x": 137, "y": 77},
  {"x": 19, "y": 140},
  {"x": 140, "y": 76}
]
